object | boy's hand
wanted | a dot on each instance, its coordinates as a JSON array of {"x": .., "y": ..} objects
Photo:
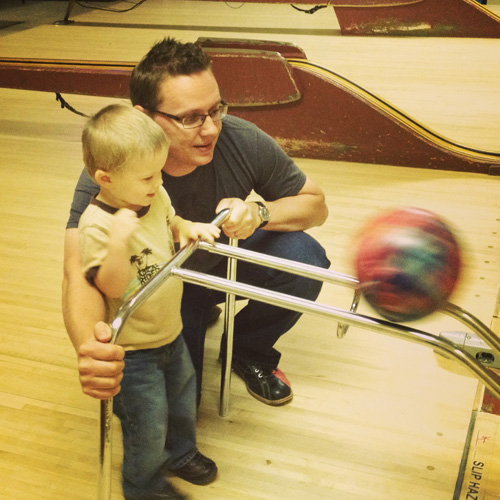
[
  {"x": 191, "y": 231},
  {"x": 124, "y": 224}
]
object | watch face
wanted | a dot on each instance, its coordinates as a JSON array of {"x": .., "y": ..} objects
[{"x": 264, "y": 213}]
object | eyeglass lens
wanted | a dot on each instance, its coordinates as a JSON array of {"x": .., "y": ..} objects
[{"x": 198, "y": 120}]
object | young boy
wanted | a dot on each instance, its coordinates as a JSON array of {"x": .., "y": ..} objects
[{"x": 126, "y": 234}]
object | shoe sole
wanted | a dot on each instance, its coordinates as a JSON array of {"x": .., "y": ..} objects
[
  {"x": 270, "y": 402},
  {"x": 199, "y": 482}
]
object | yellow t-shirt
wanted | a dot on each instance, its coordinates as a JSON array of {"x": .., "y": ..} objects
[{"x": 158, "y": 320}]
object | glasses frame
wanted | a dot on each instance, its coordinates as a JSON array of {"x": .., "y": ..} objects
[{"x": 221, "y": 109}]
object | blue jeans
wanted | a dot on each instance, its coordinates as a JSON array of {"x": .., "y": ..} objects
[
  {"x": 258, "y": 326},
  {"x": 157, "y": 410}
]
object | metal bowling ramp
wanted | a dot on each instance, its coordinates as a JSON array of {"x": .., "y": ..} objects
[
  {"x": 311, "y": 111},
  {"x": 233, "y": 288}
]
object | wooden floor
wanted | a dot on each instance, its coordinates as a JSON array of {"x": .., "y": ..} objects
[{"x": 373, "y": 417}]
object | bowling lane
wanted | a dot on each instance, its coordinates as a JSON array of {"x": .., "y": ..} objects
[{"x": 371, "y": 413}]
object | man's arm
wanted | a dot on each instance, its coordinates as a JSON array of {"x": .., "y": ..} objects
[
  {"x": 100, "y": 364},
  {"x": 302, "y": 211}
]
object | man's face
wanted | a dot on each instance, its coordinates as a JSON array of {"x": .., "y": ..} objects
[{"x": 182, "y": 96}]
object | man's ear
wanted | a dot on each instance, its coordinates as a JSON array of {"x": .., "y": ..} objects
[
  {"x": 144, "y": 110},
  {"x": 102, "y": 178}
]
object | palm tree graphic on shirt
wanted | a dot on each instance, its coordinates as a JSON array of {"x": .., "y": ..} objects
[{"x": 144, "y": 271}]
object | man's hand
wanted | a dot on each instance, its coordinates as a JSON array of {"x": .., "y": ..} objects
[
  {"x": 100, "y": 364},
  {"x": 243, "y": 219}
]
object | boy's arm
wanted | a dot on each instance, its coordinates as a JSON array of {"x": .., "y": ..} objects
[
  {"x": 114, "y": 273},
  {"x": 100, "y": 364}
]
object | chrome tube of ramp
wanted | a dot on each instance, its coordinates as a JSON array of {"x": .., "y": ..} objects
[{"x": 436, "y": 343}]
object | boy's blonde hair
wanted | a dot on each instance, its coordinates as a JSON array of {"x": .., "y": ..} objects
[{"x": 117, "y": 134}]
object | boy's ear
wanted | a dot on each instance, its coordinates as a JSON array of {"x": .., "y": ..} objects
[{"x": 102, "y": 178}]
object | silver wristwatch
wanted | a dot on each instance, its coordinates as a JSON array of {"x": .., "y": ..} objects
[{"x": 263, "y": 214}]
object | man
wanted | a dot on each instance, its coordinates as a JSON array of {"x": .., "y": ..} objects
[{"x": 214, "y": 162}]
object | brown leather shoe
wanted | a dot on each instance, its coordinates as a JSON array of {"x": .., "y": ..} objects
[{"x": 199, "y": 470}]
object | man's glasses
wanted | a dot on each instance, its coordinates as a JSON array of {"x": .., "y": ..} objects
[{"x": 195, "y": 121}]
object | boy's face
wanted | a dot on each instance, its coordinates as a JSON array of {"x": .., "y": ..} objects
[
  {"x": 182, "y": 96},
  {"x": 136, "y": 184}
]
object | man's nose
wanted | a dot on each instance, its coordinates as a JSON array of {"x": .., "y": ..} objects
[{"x": 209, "y": 126}]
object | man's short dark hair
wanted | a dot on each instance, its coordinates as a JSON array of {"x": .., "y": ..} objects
[{"x": 166, "y": 58}]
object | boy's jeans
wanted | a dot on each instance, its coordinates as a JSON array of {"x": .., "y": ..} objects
[{"x": 157, "y": 410}]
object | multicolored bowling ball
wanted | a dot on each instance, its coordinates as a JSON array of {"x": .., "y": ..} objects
[{"x": 407, "y": 262}]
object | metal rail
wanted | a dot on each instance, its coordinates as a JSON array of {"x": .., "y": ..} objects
[
  {"x": 232, "y": 288},
  {"x": 298, "y": 304}
]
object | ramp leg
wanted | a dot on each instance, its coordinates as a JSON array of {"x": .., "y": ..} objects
[
  {"x": 225, "y": 387},
  {"x": 105, "y": 445}
]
